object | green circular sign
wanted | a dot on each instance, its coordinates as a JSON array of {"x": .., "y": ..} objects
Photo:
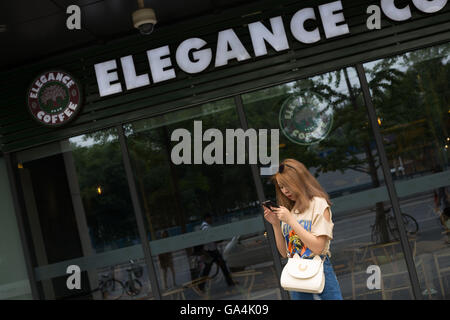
[
  {"x": 306, "y": 119},
  {"x": 54, "y": 98}
]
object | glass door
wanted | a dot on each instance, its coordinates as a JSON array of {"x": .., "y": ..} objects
[
  {"x": 411, "y": 95},
  {"x": 204, "y": 223},
  {"x": 78, "y": 214},
  {"x": 323, "y": 123}
]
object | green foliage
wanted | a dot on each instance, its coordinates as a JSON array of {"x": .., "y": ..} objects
[
  {"x": 411, "y": 95},
  {"x": 99, "y": 165}
]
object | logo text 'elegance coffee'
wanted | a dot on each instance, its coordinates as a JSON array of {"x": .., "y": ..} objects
[{"x": 54, "y": 98}]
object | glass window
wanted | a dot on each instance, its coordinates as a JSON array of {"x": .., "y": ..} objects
[
  {"x": 104, "y": 190},
  {"x": 323, "y": 123},
  {"x": 79, "y": 212},
  {"x": 411, "y": 94},
  {"x": 198, "y": 260},
  {"x": 14, "y": 282}
]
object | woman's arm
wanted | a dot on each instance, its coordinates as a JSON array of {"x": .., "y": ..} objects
[
  {"x": 279, "y": 238},
  {"x": 314, "y": 243}
]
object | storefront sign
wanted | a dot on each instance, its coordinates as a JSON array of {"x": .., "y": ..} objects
[
  {"x": 54, "y": 98},
  {"x": 306, "y": 120},
  {"x": 401, "y": 14},
  {"x": 194, "y": 56}
]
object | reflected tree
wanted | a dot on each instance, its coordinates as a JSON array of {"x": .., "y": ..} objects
[
  {"x": 411, "y": 96},
  {"x": 104, "y": 190},
  {"x": 350, "y": 138}
]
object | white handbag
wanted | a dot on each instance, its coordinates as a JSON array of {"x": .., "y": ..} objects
[{"x": 303, "y": 275}]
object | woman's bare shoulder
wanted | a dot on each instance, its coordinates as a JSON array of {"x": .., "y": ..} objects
[{"x": 321, "y": 201}]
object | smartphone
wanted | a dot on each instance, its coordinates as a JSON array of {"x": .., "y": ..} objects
[{"x": 269, "y": 203}]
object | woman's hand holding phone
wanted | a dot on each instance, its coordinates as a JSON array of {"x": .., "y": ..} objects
[
  {"x": 283, "y": 214},
  {"x": 270, "y": 216}
]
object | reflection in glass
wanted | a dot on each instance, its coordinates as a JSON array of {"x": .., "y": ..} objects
[
  {"x": 324, "y": 125},
  {"x": 79, "y": 212},
  {"x": 411, "y": 94},
  {"x": 177, "y": 198},
  {"x": 104, "y": 190}
]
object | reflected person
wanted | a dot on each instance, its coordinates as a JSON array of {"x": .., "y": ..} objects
[
  {"x": 210, "y": 249},
  {"x": 303, "y": 223},
  {"x": 166, "y": 262},
  {"x": 445, "y": 220}
]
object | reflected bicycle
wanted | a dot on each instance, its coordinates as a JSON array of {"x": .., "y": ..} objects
[
  {"x": 411, "y": 226},
  {"x": 113, "y": 289}
]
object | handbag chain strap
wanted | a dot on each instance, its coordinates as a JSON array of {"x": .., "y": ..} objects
[{"x": 323, "y": 260}]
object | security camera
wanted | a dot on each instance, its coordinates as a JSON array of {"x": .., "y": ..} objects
[{"x": 144, "y": 19}]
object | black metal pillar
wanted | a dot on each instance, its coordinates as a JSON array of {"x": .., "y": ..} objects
[
  {"x": 389, "y": 182},
  {"x": 262, "y": 198},
  {"x": 139, "y": 215}
]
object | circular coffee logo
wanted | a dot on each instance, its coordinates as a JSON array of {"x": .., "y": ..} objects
[
  {"x": 54, "y": 98},
  {"x": 306, "y": 119}
]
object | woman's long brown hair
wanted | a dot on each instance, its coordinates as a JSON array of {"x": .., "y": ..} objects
[{"x": 301, "y": 184}]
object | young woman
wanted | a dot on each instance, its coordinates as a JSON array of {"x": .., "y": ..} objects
[{"x": 306, "y": 227}]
